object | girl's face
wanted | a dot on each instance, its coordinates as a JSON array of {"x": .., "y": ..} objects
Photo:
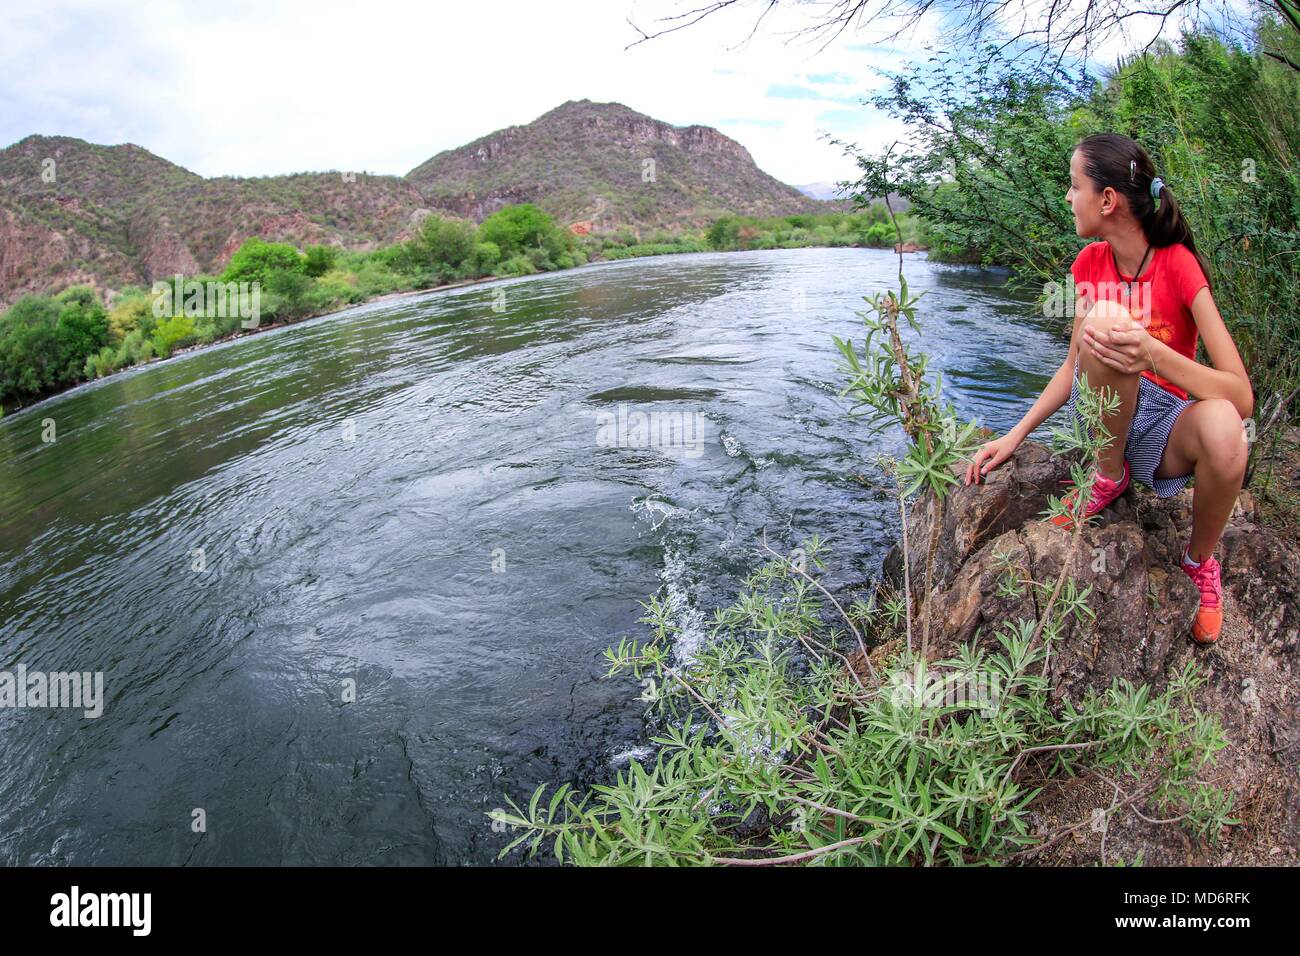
[{"x": 1091, "y": 208}]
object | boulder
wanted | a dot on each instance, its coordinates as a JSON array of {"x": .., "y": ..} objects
[{"x": 1144, "y": 606}]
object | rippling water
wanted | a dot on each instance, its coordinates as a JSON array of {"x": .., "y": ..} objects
[{"x": 414, "y": 495}]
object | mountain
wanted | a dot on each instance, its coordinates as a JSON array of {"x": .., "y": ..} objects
[
  {"x": 825, "y": 191},
  {"x": 831, "y": 193},
  {"x": 73, "y": 212},
  {"x": 610, "y": 164}
]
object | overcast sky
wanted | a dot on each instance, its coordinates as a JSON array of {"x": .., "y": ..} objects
[{"x": 255, "y": 87}]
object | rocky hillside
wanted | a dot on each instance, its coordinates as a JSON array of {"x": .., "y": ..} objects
[
  {"x": 1144, "y": 606},
  {"x": 74, "y": 212},
  {"x": 610, "y": 164}
]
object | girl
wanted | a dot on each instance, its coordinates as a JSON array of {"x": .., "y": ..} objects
[{"x": 1143, "y": 294}]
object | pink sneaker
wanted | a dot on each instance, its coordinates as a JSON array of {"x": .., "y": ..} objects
[
  {"x": 1104, "y": 491},
  {"x": 1209, "y": 616}
]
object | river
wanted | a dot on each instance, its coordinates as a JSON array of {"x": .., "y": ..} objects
[{"x": 348, "y": 582}]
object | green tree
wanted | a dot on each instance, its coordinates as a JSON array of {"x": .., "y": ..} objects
[
  {"x": 288, "y": 289},
  {"x": 257, "y": 259},
  {"x": 80, "y": 331},
  {"x": 724, "y": 233},
  {"x": 448, "y": 242},
  {"x": 45, "y": 342},
  {"x": 27, "y": 347},
  {"x": 516, "y": 228},
  {"x": 320, "y": 260}
]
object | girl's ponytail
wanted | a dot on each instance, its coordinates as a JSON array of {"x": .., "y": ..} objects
[
  {"x": 1114, "y": 160},
  {"x": 1167, "y": 226}
]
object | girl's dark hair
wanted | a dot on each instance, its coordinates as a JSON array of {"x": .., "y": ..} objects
[{"x": 1114, "y": 160}]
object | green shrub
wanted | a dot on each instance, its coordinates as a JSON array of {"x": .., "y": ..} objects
[
  {"x": 130, "y": 310},
  {"x": 724, "y": 233},
  {"x": 320, "y": 260},
  {"x": 257, "y": 260},
  {"x": 519, "y": 265},
  {"x": 171, "y": 333},
  {"x": 442, "y": 242},
  {"x": 287, "y": 289},
  {"x": 773, "y": 752},
  {"x": 333, "y": 288},
  {"x": 103, "y": 362},
  {"x": 485, "y": 258},
  {"x": 516, "y": 229},
  {"x": 207, "y": 331}
]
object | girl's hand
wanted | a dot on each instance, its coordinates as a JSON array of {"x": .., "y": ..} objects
[
  {"x": 1125, "y": 348},
  {"x": 992, "y": 455}
]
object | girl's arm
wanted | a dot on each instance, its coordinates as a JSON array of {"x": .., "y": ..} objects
[
  {"x": 1057, "y": 391},
  {"x": 1055, "y": 394},
  {"x": 1130, "y": 348}
]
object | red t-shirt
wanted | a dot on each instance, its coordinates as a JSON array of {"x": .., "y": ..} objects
[{"x": 1161, "y": 299}]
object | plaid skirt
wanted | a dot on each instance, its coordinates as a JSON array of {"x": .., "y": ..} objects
[{"x": 1148, "y": 433}]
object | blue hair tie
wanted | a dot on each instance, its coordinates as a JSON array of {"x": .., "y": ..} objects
[{"x": 1157, "y": 184}]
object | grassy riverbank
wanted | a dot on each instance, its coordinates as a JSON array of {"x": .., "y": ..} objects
[
  {"x": 807, "y": 732},
  {"x": 816, "y": 729},
  {"x": 49, "y": 343}
]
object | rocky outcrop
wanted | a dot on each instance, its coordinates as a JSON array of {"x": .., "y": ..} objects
[
  {"x": 37, "y": 254},
  {"x": 162, "y": 250},
  {"x": 1144, "y": 606}
]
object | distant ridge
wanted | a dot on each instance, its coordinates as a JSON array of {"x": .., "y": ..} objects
[
  {"x": 823, "y": 191},
  {"x": 610, "y": 164},
  {"x": 108, "y": 216}
]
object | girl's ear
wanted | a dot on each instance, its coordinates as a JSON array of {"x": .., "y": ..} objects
[{"x": 1109, "y": 200}]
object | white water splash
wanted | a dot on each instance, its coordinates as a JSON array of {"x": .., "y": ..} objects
[
  {"x": 633, "y": 753},
  {"x": 656, "y": 509},
  {"x": 688, "y": 618}
]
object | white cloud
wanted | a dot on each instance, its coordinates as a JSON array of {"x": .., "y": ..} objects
[{"x": 257, "y": 88}]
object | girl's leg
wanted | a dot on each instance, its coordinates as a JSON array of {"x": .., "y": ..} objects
[
  {"x": 1207, "y": 439},
  {"x": 1100, "y": 375}
]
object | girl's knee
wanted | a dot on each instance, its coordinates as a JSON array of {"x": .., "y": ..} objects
[
  {"x": 1104, "y": 315},
  {"x": 1221, "y": 434},
  {"x": 1101, "y": 319}
]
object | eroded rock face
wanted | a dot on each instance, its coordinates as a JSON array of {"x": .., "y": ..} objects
[
  {"x": 1144, "y": 606},
  {"x": 162, "y": 251}
]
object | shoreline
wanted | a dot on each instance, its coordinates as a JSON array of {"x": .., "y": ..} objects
[{"x": 386, "y": 297}]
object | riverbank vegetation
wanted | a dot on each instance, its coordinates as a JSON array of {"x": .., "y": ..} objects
[
  {"x": 52, "y": 342},
  {"x": 805, "y": 732},
  {"x": 869, "y": 229}
]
